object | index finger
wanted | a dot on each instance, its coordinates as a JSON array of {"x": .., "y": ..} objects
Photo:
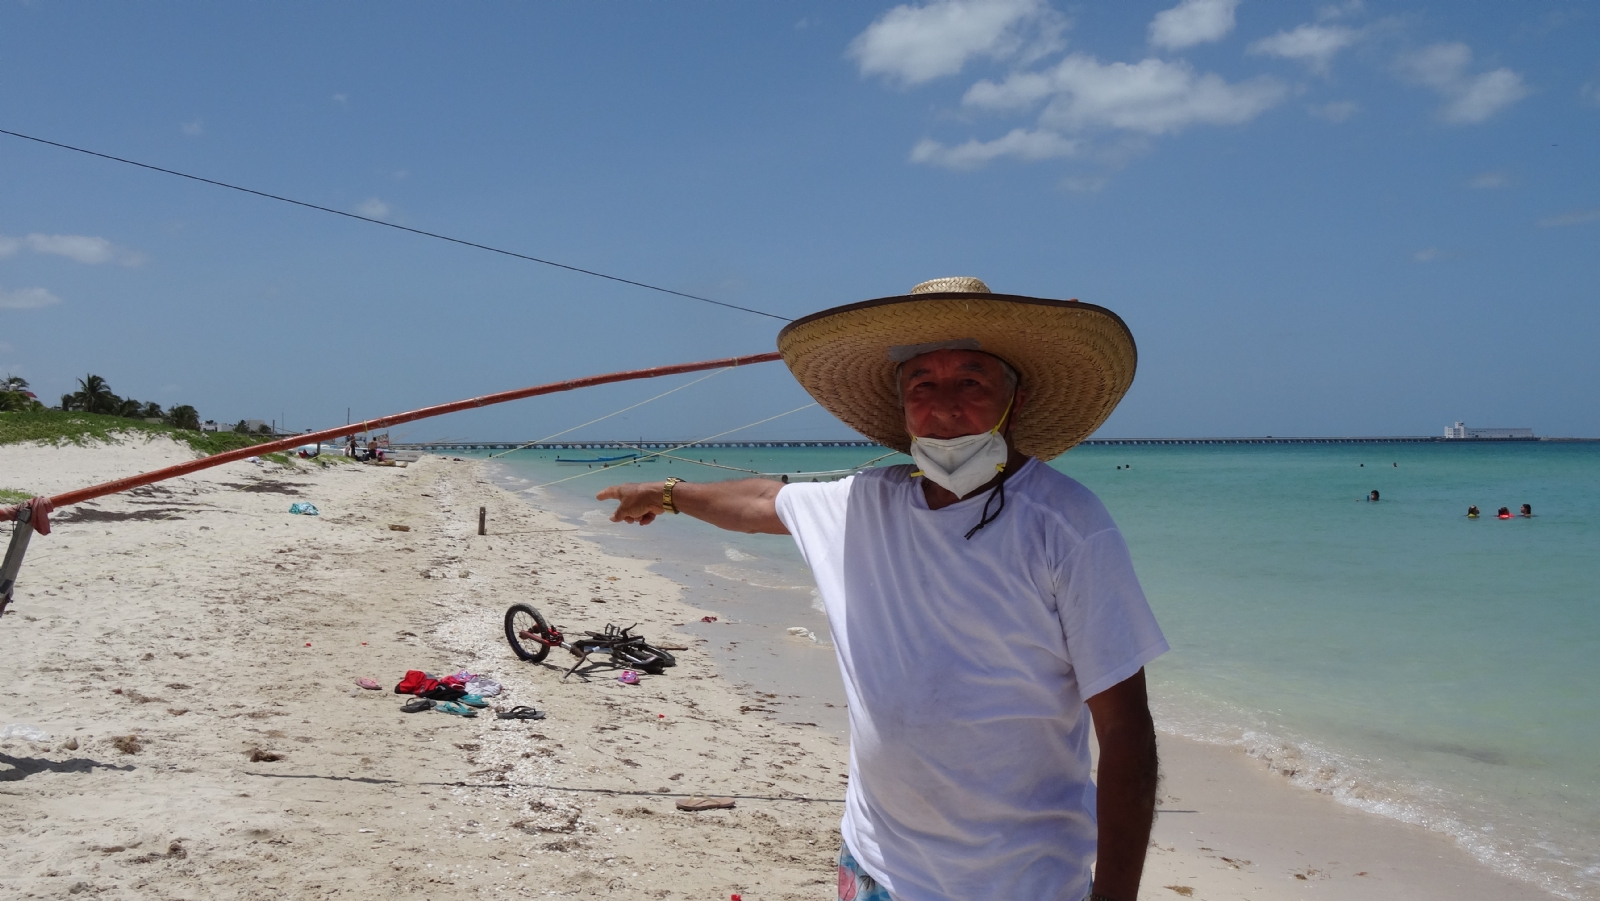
[{"x": 611, "y": 493}]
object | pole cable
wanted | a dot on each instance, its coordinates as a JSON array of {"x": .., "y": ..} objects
[{"x": 405, "y": 228}]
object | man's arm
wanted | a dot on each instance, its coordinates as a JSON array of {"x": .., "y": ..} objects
[
  {"x": 1126, "y": 785},
  {"x": 746, "y": 505}
]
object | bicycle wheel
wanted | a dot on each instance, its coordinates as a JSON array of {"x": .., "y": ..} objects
[{"x": 522, "y": 618}]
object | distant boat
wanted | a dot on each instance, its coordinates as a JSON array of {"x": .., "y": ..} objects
[{"x": 621, "y": 458}]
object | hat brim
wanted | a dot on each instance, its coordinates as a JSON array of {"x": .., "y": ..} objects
[{"x": 1075, "y": 360}]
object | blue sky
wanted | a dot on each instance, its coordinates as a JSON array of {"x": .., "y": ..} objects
[{"x": 1357, "y": 218}]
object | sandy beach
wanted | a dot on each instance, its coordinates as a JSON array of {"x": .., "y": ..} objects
[{"x": 191, "y": 649}]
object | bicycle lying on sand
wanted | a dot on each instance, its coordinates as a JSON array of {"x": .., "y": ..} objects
[{"x": 531, "y": 637}]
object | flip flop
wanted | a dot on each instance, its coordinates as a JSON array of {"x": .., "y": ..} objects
[
  {"x": 472, "y": 701},
  {"x": 519, "y": 713},
  {"x": 698, "y": 804},
  {"x": 368, "y": 684},
  {"x": 628, "y": 677},
  {"x": 417, "y": 705},
  {"x": 454, "y": 708}
]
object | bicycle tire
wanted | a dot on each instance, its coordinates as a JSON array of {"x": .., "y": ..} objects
[
  {"x": 645, "y": 646},
  {"x": 522, "y": 617},
  {"x": 641, "y": 659}
]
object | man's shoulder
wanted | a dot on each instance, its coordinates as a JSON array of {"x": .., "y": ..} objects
[{"x": 1055, "y": 495}]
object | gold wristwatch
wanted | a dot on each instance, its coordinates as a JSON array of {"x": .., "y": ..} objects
[{"x": 666, "y": 494}]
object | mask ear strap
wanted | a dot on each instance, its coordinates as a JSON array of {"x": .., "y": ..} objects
[{"x": 1004, "y": 414}]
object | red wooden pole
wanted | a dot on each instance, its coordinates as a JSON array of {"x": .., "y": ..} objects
[{"x": 84, "y": 494}]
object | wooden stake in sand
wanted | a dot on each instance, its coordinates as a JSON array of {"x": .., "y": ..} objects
[{"x": 483, "y": 521}]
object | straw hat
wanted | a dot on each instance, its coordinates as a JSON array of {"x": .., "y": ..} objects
[{"x": 1075, "y": 360}]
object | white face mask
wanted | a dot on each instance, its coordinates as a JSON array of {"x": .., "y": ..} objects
[{"x": 963, "y": 465}]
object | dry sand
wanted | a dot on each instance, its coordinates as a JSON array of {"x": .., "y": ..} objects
[{"x": 192, "y": 648}]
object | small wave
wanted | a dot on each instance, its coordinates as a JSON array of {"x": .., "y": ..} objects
[
  {"x": 736, "y": 555},
  {"x": 1351, "y": 781},
  {"x": 751, "y": 577},
  {"x": 594, "y": 516},
  {"x": 816, "y": 602}
]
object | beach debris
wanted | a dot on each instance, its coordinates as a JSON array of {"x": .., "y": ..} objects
[
  {"x": 802, "y": 632},
  {"x": 259, "y": 756},
  {"x": 25, "y": 732},
  {"x": 303, "y": 508},
  {"x": 708, "y": 619},
  {"x": 396, "y": 527},
  {"x": 1183, "y": 890},
  {"x": 70, "y": 744},
  {"x": 520, "y": 712},
  {"x": 127, "y": 744},
  {"x": 368, "y": 684},
  {"x": 628, "y": 677},
  {"x": 699, "y": 803}
]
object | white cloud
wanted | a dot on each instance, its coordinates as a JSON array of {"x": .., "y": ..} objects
[
  {"x": 1469, "y": 98},
  {"x": 193, "y": 129},
  {"x": 1314, "y": 45},
  {"x": 9, "y": 246},
  {"x": 1151, "y": 96},
  {"x": 83, "y": 248},
  {"x": 1590, "y": 93},
  {"x": 26, "y": 299},
  {"x": 373, "y": 208},
  {"x": 1340, "y": 10},
  {"x": 916, "y": 44},
  {"x": 1576, "y": 217},
  {"x": 1192, "y": 22},
  {"x": 1337, "y": 111},
  {"x": 342, "y": 99},
  {"x": 1489, "y": 180},
  {"x": 1427, "y": 255},
  {"x": 1020, "y": 143}
]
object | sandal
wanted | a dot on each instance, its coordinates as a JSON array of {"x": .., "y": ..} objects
[
  {"x": 472, "y": 701},
  {"x": 454, "y": 708},
  {"x": 417, "y": 705},
  {"x": 519, "y": 713}
]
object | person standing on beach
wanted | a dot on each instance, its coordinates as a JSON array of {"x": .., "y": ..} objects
[{"x": 984, "y": 607}]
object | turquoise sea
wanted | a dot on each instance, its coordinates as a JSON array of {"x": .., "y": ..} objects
[{"x": 1396, "y": 655}]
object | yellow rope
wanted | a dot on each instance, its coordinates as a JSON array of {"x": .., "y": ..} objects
[
  {"x": 757, "y": 472},
  {"x": 609, "y": 415},
  {"x": 682, "y": 446}
]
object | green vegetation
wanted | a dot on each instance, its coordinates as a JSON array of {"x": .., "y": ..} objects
[
  {"x": 59, "y": 427},
  {"x": 13, "y": 496}
]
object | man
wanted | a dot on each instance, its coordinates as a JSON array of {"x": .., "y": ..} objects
[{"x": 979, "y": 600}]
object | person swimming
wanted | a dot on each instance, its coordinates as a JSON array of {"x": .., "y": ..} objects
[
  {"x": 1527, "y": 511},
  {"x": 1472, "y": 512},
  {"x": 1505, "y": 513},
  {"x": 1373, "y": 497}
]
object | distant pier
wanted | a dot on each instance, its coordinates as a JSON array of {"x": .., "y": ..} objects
[{"x": 444, "y": 446}]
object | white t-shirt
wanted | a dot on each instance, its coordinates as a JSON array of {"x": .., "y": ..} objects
[{"x": 966, "y": 665}]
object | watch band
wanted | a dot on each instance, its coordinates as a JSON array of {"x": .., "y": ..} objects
[{"x": 666, "y": 494}]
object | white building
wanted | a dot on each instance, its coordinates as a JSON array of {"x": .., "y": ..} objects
[{"x": 1460, "y": 430}]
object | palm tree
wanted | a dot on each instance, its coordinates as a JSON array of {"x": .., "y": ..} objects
[
  {"x": 129, "y": 408},
  {"x": 94, "y": 395},
  {"x": 184, "y": 417},
  {"x": 152, "y": 410},
  {"x": 14, "y": 383}
]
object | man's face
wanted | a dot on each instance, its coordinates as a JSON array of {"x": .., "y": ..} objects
[{"x": 951, "y": 393}]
